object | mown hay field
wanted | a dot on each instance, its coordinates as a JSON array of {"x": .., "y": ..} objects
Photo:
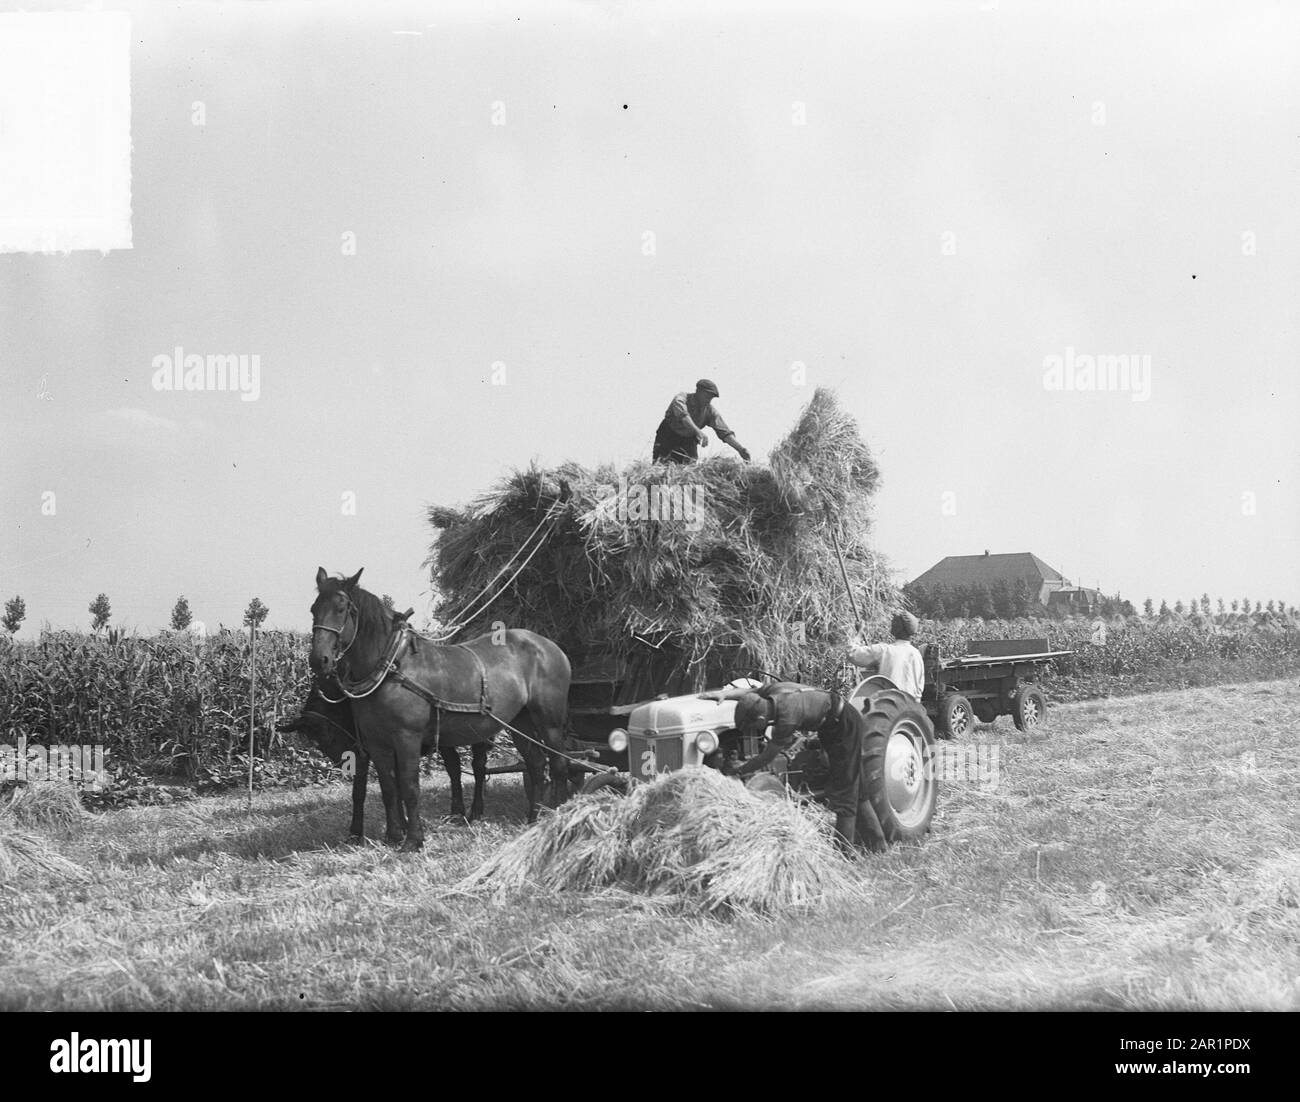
[{"x": 1138, "y": 853}]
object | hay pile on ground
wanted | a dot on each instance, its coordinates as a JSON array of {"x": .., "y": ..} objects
[
  {"x": 680, "y": 573},
  {"x": 693, "y": 839},
  {"x": 42, "y": 803},
  {"x": 22, "y": 851}
]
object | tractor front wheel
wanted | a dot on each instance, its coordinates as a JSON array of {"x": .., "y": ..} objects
[
  {"x": 616, "y": 781},
  {"x": 898, "y": 765},
  {"x": 766, "y": 784}
]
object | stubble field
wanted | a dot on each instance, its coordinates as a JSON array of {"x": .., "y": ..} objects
[{"x": 1138, "y": 853}]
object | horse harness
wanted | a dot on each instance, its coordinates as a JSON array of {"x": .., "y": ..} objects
[{"x": 390, "y": 667}]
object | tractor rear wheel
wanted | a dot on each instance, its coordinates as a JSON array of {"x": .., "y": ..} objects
[
  {"x": 1030, "y": 707},
  {"x": 898, "y": 765},
  {"x": 955, "y": 717}
]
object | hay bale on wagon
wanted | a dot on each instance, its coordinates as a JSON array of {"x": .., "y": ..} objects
[
  {"x": 693, "y": 839},
  {"x": 676, "y": 575}
]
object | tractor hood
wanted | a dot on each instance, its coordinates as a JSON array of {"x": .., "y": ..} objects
[{"x": 679, "y": 714}]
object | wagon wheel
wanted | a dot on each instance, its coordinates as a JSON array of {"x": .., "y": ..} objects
[
  {"x": 985, "y": 711},
  {"x": 898, "y": 766},
  {"x": 955, "y": 717},
  {"x": 1030, "y": 708},
  {"x": 616, "y": 781}
]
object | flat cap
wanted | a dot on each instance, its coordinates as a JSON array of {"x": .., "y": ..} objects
[
  {"x": 709, "y": 385},
  {"x": 904, "y": 625},
  {"x": 752, "y": 711}
]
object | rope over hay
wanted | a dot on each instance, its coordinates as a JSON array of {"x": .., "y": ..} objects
[
  {"x": 695, "y": 840},
  {"x": 681, "y": 572}
]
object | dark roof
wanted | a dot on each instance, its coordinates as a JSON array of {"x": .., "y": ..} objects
[{"x": 968, "y": 570}]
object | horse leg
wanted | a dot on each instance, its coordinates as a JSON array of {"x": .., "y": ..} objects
[
  {"x": 537, "y": 785},
  {"x": 408, "y": 777},
  {"x": 530, "y": 787},
  {"x": 451, "y": 762},
  {"x": 537, "y": 778},
  {"x": 547, "y": 722},
  {"x": 360, "y": 778},
  {"x": 480, "y": 756},
  {"x": 385, "y": 760}
]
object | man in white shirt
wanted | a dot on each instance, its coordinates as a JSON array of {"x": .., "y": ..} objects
[{"x": 899, "y": 661}]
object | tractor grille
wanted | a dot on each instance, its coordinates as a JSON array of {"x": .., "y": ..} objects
[{"x": 648, "y": 757}]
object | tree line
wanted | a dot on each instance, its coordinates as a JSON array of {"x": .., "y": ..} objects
[
  {"x": 1004, "y": 601},
  {"x": 101, "y": 612}
]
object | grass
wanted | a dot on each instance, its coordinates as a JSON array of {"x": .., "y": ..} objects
[{"x": 1138, "y": 853}]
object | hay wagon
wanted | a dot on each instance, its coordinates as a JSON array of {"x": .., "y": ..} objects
[{"x": 995, "y": 677}]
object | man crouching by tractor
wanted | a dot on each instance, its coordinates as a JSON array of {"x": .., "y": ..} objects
[
  {"x": 791, "y": 708},
  {"x": 899, "y": 661}
]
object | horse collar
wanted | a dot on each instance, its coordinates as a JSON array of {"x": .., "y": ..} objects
[{"x": 371, "y": 682}]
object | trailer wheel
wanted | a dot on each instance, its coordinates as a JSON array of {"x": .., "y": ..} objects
[
  {"x": 1030, "y": 707},
  {"x": 616, "y": 781},
  {"x": 985, "y": 711},
  {"x": 955, "y": 716},
  {"x": 898, "y": 766}
]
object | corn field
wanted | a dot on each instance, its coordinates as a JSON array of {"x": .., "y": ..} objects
[
  {"x": 181, "y": 704},
  {"x": 172, "y": 700}
]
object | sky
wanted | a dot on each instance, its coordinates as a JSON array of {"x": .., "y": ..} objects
[{"x": 462, "y": 238}]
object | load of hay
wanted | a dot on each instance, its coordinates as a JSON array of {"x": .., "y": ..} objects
[
  {"x": 694, "y": 840},
  {"x": 676, "y": 574}
]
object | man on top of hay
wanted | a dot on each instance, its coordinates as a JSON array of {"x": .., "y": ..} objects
[
  {"x": 681, "y": 432},
  {"x": 899, "y": 661},
  {"x": 840, "y": 727}
]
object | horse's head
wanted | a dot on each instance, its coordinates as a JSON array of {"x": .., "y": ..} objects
[
  {"x": 335, "y": 621},
  {"x": 329, "y": 726}
]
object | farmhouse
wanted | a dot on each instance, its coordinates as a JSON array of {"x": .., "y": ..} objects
[
  {"x": 1042, "y": 583},
  {"x": 1073, "y": 598}
]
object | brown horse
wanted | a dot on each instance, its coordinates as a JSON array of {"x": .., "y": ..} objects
[
  {"x": 409, "y": 696},
  {"x": 333, "y": 731}
]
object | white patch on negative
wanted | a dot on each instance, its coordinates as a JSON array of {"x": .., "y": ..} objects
[{"x": 65, "y": 131}]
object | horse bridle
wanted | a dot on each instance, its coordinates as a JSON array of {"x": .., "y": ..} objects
[{"x": 338, "y": 631}]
